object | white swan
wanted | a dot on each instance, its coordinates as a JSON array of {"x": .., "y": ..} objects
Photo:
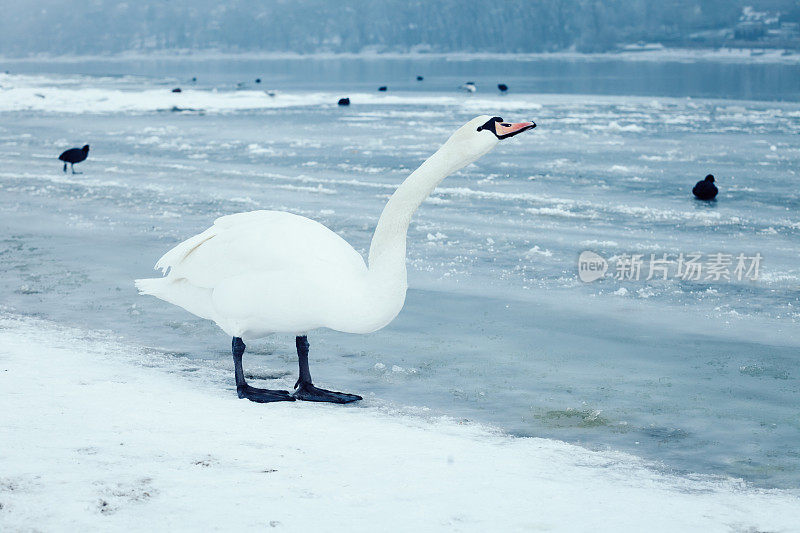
[{"x": 267, "y": 272}]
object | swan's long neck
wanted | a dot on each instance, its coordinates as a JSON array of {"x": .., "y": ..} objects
[{"x": 387, "y": 252}]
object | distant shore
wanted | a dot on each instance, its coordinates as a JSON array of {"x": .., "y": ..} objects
[{"x": 651, "y": 53}]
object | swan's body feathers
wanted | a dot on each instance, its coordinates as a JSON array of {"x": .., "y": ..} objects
[
  {"x": 262, "y": 272},
  {"x": 266, "y": 241}
]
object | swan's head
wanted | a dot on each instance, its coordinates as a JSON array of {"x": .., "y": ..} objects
[
  {"x": 481, "y": 134},
  {"x": 500, "y": 129}
]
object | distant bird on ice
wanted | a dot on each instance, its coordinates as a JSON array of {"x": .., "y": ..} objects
[
  {"x": 705, "y": 189},
  {"x": 177, "y": 90},
  {"x": 344, "y": 101},
  {"x": 74, "y": 155},
  {"x": 469, "y": 87},
  {"x": 267, "y": 272},
  {"x": 503, "y": 87}
]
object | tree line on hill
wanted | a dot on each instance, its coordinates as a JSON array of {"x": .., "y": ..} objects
[{"x": 307, "y": 26}]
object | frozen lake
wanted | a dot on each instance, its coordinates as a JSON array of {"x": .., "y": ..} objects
[{"x": 699, "y": 375}]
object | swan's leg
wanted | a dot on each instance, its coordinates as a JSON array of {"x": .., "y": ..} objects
[
  {"x": 246, "y": 391},
  {"x": 306, "y": 390}
]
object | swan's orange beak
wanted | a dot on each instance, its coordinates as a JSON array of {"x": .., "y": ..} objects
[{"x": 504, "y": 130}]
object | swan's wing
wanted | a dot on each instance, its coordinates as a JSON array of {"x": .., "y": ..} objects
[
  {"x": 174, "y": 257},
  {"x": 260, "y": 241}
]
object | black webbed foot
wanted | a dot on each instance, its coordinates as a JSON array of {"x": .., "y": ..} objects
[
  {"x": 306, "y": 391},
  {"x": 309, "y": 393},
  {"x": 263, "y": 395}
]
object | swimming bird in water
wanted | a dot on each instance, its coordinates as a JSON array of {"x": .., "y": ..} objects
[
  {"x": 74, "y": 155},
  {"x": 383, "y": 88},
  {"x": 420, "y": 78},
  {"x": 267, "y": 272},
  {"x": 344, "y": 101},
  {"x": 502, "y": 87},
  {"x": 705, "y": 189}
]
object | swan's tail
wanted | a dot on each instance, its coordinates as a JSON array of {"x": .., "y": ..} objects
[
  {"x": 196, "y": 300},
  {"x": 152, "y": 286}
]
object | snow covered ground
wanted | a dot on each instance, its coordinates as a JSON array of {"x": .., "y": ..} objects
[{"x": 101, "y": 435}]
